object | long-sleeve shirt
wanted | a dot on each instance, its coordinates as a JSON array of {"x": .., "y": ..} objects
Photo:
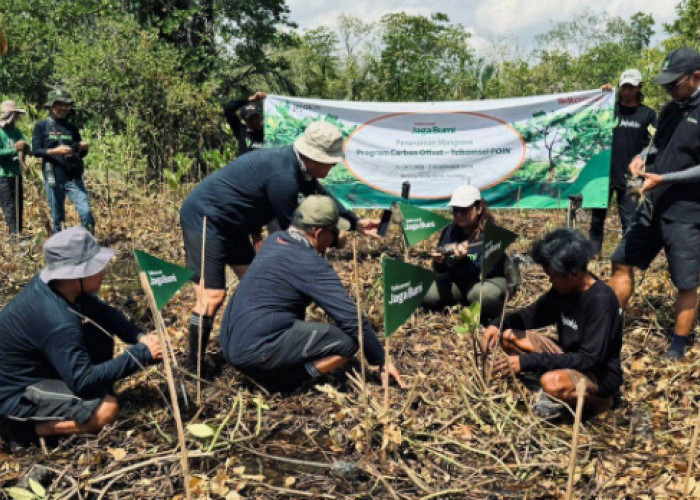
[
  {"x": 248, "y": 139},
  {"x": 41, "y": 338},
  {"x": 9, "y": 156},
  {"x": 51, "y": 133},
  {"x": 285, "y": 277},
  {"x": 249, "y": 192},
  {"x": 589, "y": 326},
  {"x": 466, "y": 271}
]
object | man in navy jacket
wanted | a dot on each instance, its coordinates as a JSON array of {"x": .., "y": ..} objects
[
  {"x": 263, "y": 332},
  {"x": 57, "y": 373}
]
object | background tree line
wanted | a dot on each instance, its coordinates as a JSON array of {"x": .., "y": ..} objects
[{"x": 149, "y": 76}]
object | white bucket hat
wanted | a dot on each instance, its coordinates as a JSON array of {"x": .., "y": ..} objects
[
  {"x": 322, "y": 142},
  {"x": 465, "y": 196},
  {"x": 73, "y": 254}
]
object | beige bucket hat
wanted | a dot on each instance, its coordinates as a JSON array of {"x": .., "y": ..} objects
[{"x": 322, "y": 142}]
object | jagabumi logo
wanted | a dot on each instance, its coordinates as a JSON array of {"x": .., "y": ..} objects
[
  {"x": 157, "y": 278},
  {"x": 400, "y": 293},
  {"x": 423, "y": 128}
]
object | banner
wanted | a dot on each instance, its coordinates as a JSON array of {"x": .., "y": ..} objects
[
  {"x": 496, "y": 240},
  {"x": 165, "y": 278},
  {"x": 405, "y": 285},
  {"x": 419, "y": 224},
  {"x": 525, "y": 152}
]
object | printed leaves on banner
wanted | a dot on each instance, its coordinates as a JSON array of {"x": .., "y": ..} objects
[
  {"x": 405, "y": 285},
  {"x": 496, "y": 240},
  {"x": 419, "y": 224},
  {"x": 165, "y": 278}
]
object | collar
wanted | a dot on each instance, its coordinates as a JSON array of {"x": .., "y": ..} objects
[
  {"x": 302, "y": 166},
  {"x": 298, "y": 235},
  {"x": 691, "y": 102}
]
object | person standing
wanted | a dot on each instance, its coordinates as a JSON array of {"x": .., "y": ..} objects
[
  {"x": 670, "y": 218},
  {"x": 13, "y": 148},
  {"x": 58, "y": 143},
  {"x": 630, "y": 137},
  {"x": 249, "y": 133}
]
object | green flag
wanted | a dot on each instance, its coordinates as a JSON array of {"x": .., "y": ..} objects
[
  {"x": 496, "y": 240},
  {"x": 165, "y": 278},
  {"x": 405, "y": 285},
  {"x": 419, "y": 224}
]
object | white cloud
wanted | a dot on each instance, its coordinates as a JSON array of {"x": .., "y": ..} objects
[{"x": 485, "y": 19}]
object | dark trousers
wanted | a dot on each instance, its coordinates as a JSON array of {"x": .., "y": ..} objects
[
  {"x": 625, "y": 207},
  {"x": 12, "y": 201}
]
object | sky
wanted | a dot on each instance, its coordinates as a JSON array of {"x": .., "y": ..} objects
[{"x": 516, "y": 20}]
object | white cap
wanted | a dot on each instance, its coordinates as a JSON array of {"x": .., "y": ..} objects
[
  {"x": 631, "y": 77},
  {"x": 465, "y": 196}
]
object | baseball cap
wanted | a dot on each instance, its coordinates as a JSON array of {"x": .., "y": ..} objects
[
  {"x": 631, "y": 77},
  {"x": 73, "y": 254},
  {"x": 322, "y": 142},
  {"x": 250, "y": 110},
  {"x": 680, "y": 62},
  {"x": 465, "y": 196},
  {"x": 319, "y": 211}
]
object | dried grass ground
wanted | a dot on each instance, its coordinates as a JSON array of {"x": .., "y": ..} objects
[{"x": 452, "y": 435}]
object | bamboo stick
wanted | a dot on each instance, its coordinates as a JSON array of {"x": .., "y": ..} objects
[{"x": 580, "y": 395}]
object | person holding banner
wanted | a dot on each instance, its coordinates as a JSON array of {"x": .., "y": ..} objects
[
  {"x": 56, "y": 338},
  {"x": 238, "y": 200},
  {"x": 263, "y": 332},
  {"x": 459, "y": 264},
  {"x": 588, "y": 318},
  {"x": 630, "y": 137},
  {"x": 670, "y": 217},
  {"x": 249, "y": 133}
]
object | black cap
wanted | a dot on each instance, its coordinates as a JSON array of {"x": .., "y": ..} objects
[
  {"x": 680, "y": 62},
  {"x": 251, "y": 110}
]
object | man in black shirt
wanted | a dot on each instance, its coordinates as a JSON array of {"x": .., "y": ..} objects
[
  {"x": 630, "y": 137},
  {"x": 250, "y": 133},
  {"x": 670, "y": 217},
  {"x": 588, "y": 318}
]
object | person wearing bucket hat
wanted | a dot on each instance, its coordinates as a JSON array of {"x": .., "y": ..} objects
[
  {"x": 630, "y": 136},
  {"x": 238, "y": 200},
  {"x": 458, "y": 265},
  {"x": 670, "y": 216},
  {"x": 250, "y": 133},
  {"x": 59, "y": 144},
  {"x": 263, "y": 331},
  {"x": 58, "y": 368},
  {"x": 13, "y": 148}
]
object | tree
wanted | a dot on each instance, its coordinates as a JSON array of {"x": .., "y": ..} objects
[{"x": 422, "y": 59}]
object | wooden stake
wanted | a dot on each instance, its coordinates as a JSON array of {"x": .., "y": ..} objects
[
  {"x": 18, "y": 183},
  {"x": 385, "y": 381},
  {"x": 580, "y": 395},
  {"x": 202, "y": 312},
  {"x": 365, "y": 396},
  {"x": 691, "y": 455},
  {"x": 160, "y": 328}
]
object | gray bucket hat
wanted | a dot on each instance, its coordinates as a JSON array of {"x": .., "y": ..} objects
[
  {"x": 322, "y": 142},
  {"x": 73, "y": 254}
]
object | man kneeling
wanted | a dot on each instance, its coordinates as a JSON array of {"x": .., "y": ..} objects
[
  {"x": 263, "y": 332},
  {"x": 589, "y": 326},
  {"x": 57, "y": 372}
]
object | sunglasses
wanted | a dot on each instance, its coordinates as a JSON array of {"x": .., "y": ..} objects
[
  {"x": 674, "y": 85},
  {"x": 462, "y": 210}
]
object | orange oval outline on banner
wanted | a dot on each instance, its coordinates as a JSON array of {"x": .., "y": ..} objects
[{"x": 392, "y": 115}]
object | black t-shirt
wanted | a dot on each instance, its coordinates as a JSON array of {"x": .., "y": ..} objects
[
  {"x": 248, "y": 139},
  {"x": 590, "y": 333},
  {"x": 630, "y": 137}
]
